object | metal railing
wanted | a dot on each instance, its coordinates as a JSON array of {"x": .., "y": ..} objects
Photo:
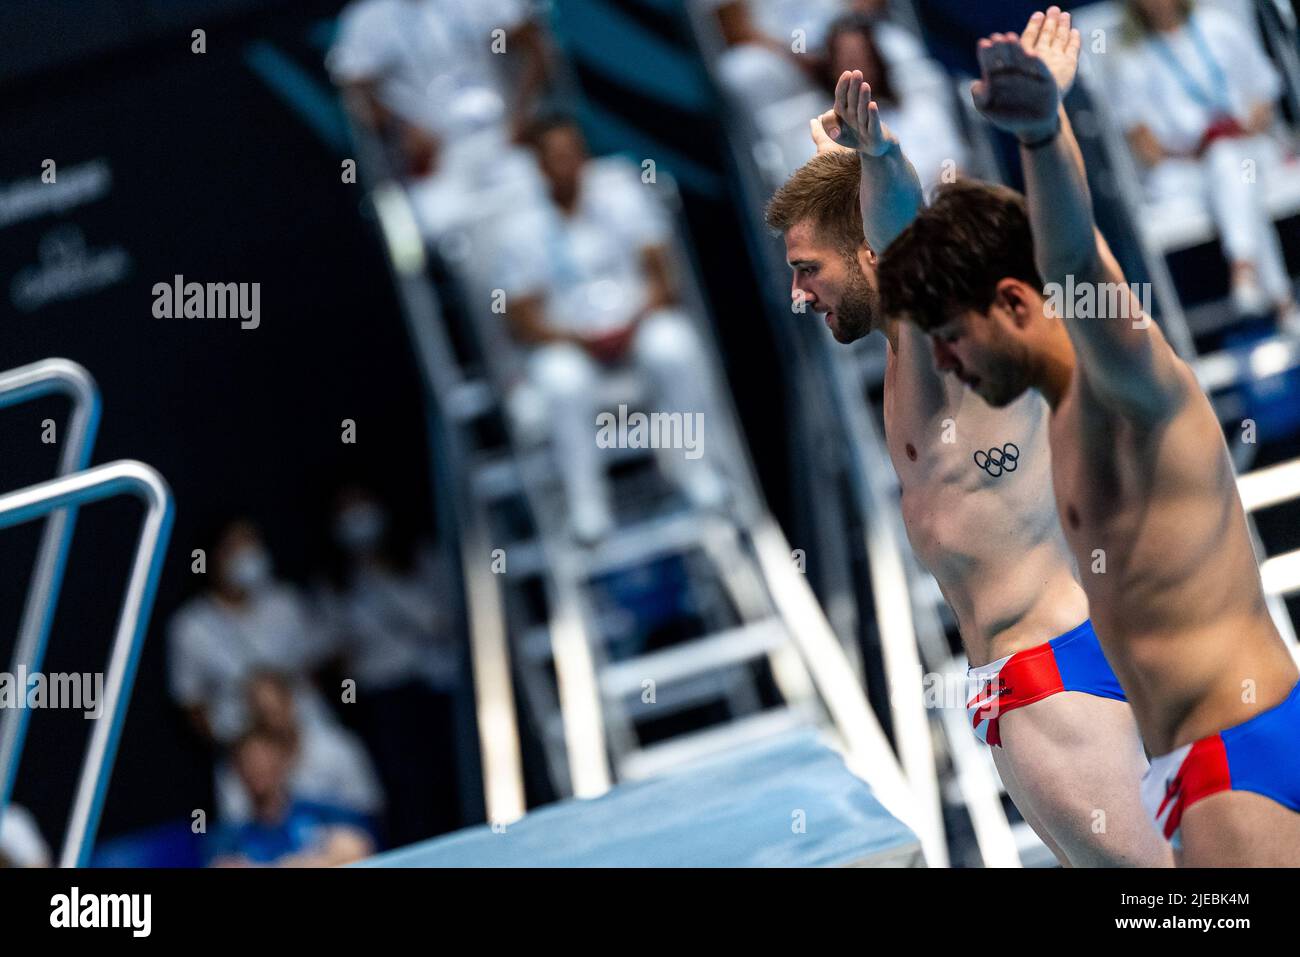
[
  {"x": 1280, "y": 574},
  {"x": 124, "y": 477},
  {"x": 24, "y": 384}
]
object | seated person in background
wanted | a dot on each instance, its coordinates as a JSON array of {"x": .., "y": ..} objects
[
  {"x": 776, "y": 49},
  {"x": 1198, "y": 104},
  {"x": 758, "y": 67},
  {"x": 921, "y": 119},
  {"x": 425, "y": 76},
  {"x": 384, "y": 600},
  {"x": 285, "y": 831},
  {"x": 21, "y": 844},
  {"x": 588, "y": 289},
  {"x": 244, "y": 621},
  {"x": 328, "y": 765}
]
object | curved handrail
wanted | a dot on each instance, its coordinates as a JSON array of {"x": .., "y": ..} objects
[
  {"x": 124, "y": 477},
  {"x": 39, "y": 379}
]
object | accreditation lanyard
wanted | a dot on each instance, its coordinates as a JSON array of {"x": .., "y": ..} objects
[{"x": 1218, "y": 80}]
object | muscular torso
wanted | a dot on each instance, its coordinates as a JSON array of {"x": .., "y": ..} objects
[
  {"x": 990, "y": 535},
  {"x": 1152, "y": 514}
]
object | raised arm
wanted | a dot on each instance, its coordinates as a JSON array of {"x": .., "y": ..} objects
[
  {"x": 1018, "y": 93},
  {"x": 890, "y": 191},
  {"x": 1121, "y": 352}
]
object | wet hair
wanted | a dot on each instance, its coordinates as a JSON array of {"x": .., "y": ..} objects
[
  {"x": 824, "y": 191},
  {"x": 951, "y": 258}
]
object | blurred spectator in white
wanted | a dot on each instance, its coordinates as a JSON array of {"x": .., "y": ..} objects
[
  {"x": 284, "y": 829},
  {"x": 384, "y": 602},
  {"x": 243, "y": 623},
  {"x": 913, "y": 71},
  {"x": 328, "y": 764},
  {"x": 761, "y": 68},
  {"x": 21, "y": 844},
  {"x": 776, "y": 49},
  {"x": 920, "y": 119},
  {"x": 589, "y": 289},
  {"x": 429, "y": 76},
  {"x": 1198, "y": 106}
]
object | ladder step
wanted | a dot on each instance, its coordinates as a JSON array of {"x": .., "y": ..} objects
[
  {"x": 524, "y": 558},
  {"x": 689, "y": 693},
  {"x": 691, "y": 658},
  {"x": 1269, "y": 486},
  {"x": 688, "y": 749},
  {"x": 1270, "y": 356},
  {"x": 470, "y": 399},
  {"x": 1281, "y": 574},
  {"x": 676, "y": 698},
  {"x": 498, "y": 475},
  {"x": 643, "y": 542},
  {"x": 536, "y": 644}
]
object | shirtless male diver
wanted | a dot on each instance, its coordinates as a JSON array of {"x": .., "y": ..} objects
[
  {"x": 1143, "y": 482},
  {"x": 976, "y": 503}
]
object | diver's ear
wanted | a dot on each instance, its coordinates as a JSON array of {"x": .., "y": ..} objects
[
  {"x": 867, "y": 258},
  {"x": 1015, "y": 297}
]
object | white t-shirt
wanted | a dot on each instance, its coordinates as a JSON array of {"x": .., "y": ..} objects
[
  {"x": 432, "y": 59},
  {"x": 392, "y": 628},
  {"x": 780, "y": 19},
  {"x": 1155, "y": 95},
  {"x": 332, "y": 768},
  {"x": 588, "y": 265},
  {"x": 213, "y": 651}
]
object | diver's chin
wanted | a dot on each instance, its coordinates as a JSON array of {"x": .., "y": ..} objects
[
  {"x": 845, "y": 334},
  {"x": 997, "y": 397}
]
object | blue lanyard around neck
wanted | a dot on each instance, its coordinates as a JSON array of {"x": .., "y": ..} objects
[{"x": 1218, "y": 81}]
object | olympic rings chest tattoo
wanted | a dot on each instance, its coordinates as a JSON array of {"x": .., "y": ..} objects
[{"x": 998, "y": 460}]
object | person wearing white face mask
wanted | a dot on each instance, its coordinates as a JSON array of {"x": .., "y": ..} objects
[
  {"x": 384, "y": 601},
  {"x": 243, "y": 623}
]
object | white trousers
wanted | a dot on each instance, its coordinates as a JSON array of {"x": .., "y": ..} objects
[
  {"x": 1230, "y": 179},
  {"x": 567, "y": 381}
]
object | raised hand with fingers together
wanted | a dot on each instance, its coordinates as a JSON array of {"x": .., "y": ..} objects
[
  {"x": 1050, "y": 37},
  {"x": 1025, "y": 77},
  {"x": 854, "y": 122}
]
